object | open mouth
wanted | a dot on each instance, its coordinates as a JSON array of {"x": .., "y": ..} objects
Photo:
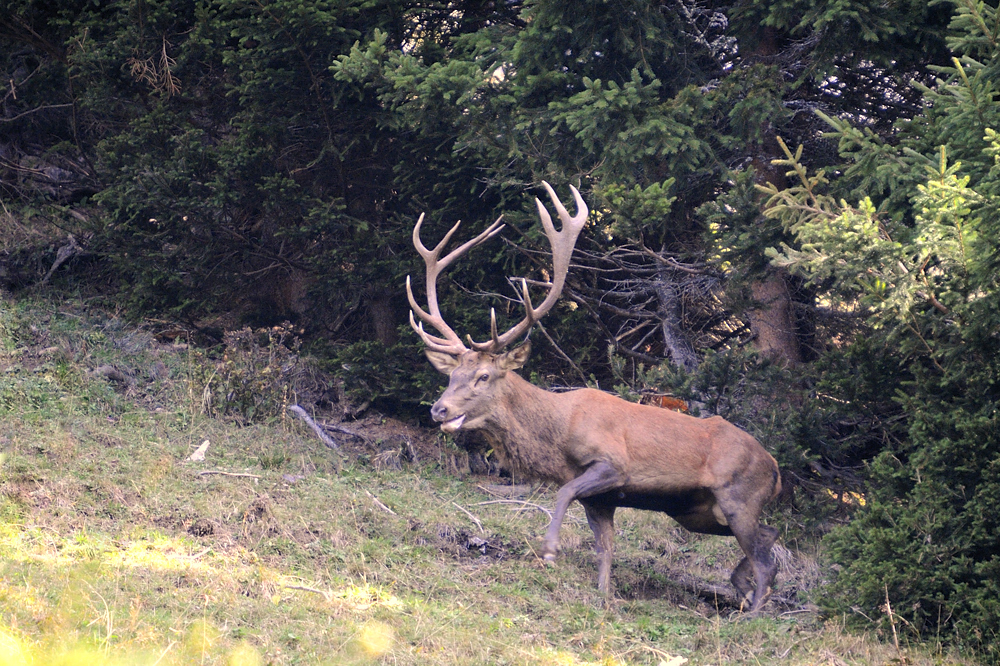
[{"x": 453, "y": 425}]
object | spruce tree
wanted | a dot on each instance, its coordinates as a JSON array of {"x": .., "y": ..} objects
[{"x": 920, "y": 256}]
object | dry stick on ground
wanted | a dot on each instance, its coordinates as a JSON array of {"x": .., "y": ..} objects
[
  {"x": 704, "y": 589},
  {"x": 346, "y": 431},
  {"x": 301, "y": 413},
  {"x": 326, "y": 595},
  {"x": 541, "y": 508},
  {"x": 218, "y": 471},
  {"x": 514, "y": 501},
  {"x": 505, "y": 491},
  {"x": 380, "y": 504},
  {"x": 473, "y": 518},
  {"x": 70, "y": 249}
]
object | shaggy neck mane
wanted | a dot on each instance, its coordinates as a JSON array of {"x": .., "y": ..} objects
[{"x": 526, "y": 429}]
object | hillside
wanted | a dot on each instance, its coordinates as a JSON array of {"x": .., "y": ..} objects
[{"x": 118, "y": 549}]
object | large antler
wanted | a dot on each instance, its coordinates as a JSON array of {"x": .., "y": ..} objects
[
  {"x": 562, "y": 243},
  {"x": 450, "y": 343}
]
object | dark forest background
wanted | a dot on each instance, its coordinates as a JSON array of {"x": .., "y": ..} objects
[{"x": 795, "y": 220}]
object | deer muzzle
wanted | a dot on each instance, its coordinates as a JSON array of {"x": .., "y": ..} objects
[{"x": 449, "y": 422}]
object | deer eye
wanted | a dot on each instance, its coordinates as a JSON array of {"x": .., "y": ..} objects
[{"x": 482, "y": 378}]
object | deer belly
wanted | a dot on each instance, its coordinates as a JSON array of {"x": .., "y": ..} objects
[{"x": 695, "y": 510}]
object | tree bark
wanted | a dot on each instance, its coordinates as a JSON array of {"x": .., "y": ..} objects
[
  {"x": 675, "y": 342},
  {"x": 383, "y": 319},
  {"x": 772, "y": 322}
]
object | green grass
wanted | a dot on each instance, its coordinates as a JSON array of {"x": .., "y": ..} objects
[{"x": 115, "y": 549}]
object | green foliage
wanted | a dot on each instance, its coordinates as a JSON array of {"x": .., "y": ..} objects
[
  {"x": 266, "y": 160},
  {"x": 399, "y": 375},
  {"x": 634, "y": 210},
  {"x": 925, "y": 542},
  {"x": 733, "y": 230}
]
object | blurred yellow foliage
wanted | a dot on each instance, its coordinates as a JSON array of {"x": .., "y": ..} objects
[{"x": 376, "y": 638}]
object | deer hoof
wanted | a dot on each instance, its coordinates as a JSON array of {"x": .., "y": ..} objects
[
  {"x": 550, "y": 558},
  {"x": 765, "y": 597}
]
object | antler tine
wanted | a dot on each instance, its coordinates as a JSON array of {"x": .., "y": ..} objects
[
  {"x": 487, "y": 234},
  {"x": 562, "y": 243},
  {"x": 494, "y": 339},
  {"x": 435, "y": 343},
  {"x": 450, "y": 343}
]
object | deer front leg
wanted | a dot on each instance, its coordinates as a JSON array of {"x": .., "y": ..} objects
[{"x": 598, "y": 478}]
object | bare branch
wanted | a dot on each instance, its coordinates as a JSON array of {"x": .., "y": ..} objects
[{"x": 301, "y": 413}]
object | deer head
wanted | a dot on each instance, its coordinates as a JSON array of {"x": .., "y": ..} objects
[{"x": 477, "y": 371}]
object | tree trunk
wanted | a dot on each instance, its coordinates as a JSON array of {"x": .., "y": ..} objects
[
  {"x": 675, "y": 342},
  {"x": 771, "y": 322},
  {"x": 383, "y": 319}
]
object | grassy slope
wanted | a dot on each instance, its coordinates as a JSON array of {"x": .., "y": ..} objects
[{"x": 114, "y": 549}]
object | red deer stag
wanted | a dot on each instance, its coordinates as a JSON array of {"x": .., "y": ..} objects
[{"x": 605, "y": 452}]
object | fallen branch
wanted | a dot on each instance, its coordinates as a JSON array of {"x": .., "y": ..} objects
[
  {"x": 221, "y": 473},
  {"x": 716, "y": 594},
  {"x": 380, "y": 504},
  {"x": 66, "y": 252},
  {"x": 301, "y": 413},
  {"x": 346, "y": 431},
  {"x": 514, "y": 501},
  {"x": 471, "y": 517},
  {"x": 505, "y": 491},
  {"x": 326, "y": 595}
]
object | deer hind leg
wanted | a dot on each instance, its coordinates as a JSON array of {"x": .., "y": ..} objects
[
  {"x": 742, "y": 580},
  {"x": 765, "y": 568},
  {"x": 756, "y": 540},
  {"x": 598, "y": 478},
  {"x": 602, "y": 522}
]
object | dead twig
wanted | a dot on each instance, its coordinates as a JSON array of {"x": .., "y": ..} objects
[
  {"x": 326, "y": 595},
  {"x": 522, "y": 502},
  {"x": 380, "y": 504},
  {"x": 346, "y": 431},
  {"x": 505, "y": 491},
  {"x": 796, "y": 611},
  {"x": 67, "y": 251},
  {"x": 892, "y": 622},
  {"x": 561, "y": 353},
  {"x": 220, "y": 472},
  {"x": 164, "y": 653},
  {"x": 471, "y": 517},
  {"x": 665, "y": 657},
  {"x": 326, "y": 439}
]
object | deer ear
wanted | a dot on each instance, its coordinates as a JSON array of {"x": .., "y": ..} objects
[
  {"x": 515, "y": 358},
  {"x": 444, "y": 363}
]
